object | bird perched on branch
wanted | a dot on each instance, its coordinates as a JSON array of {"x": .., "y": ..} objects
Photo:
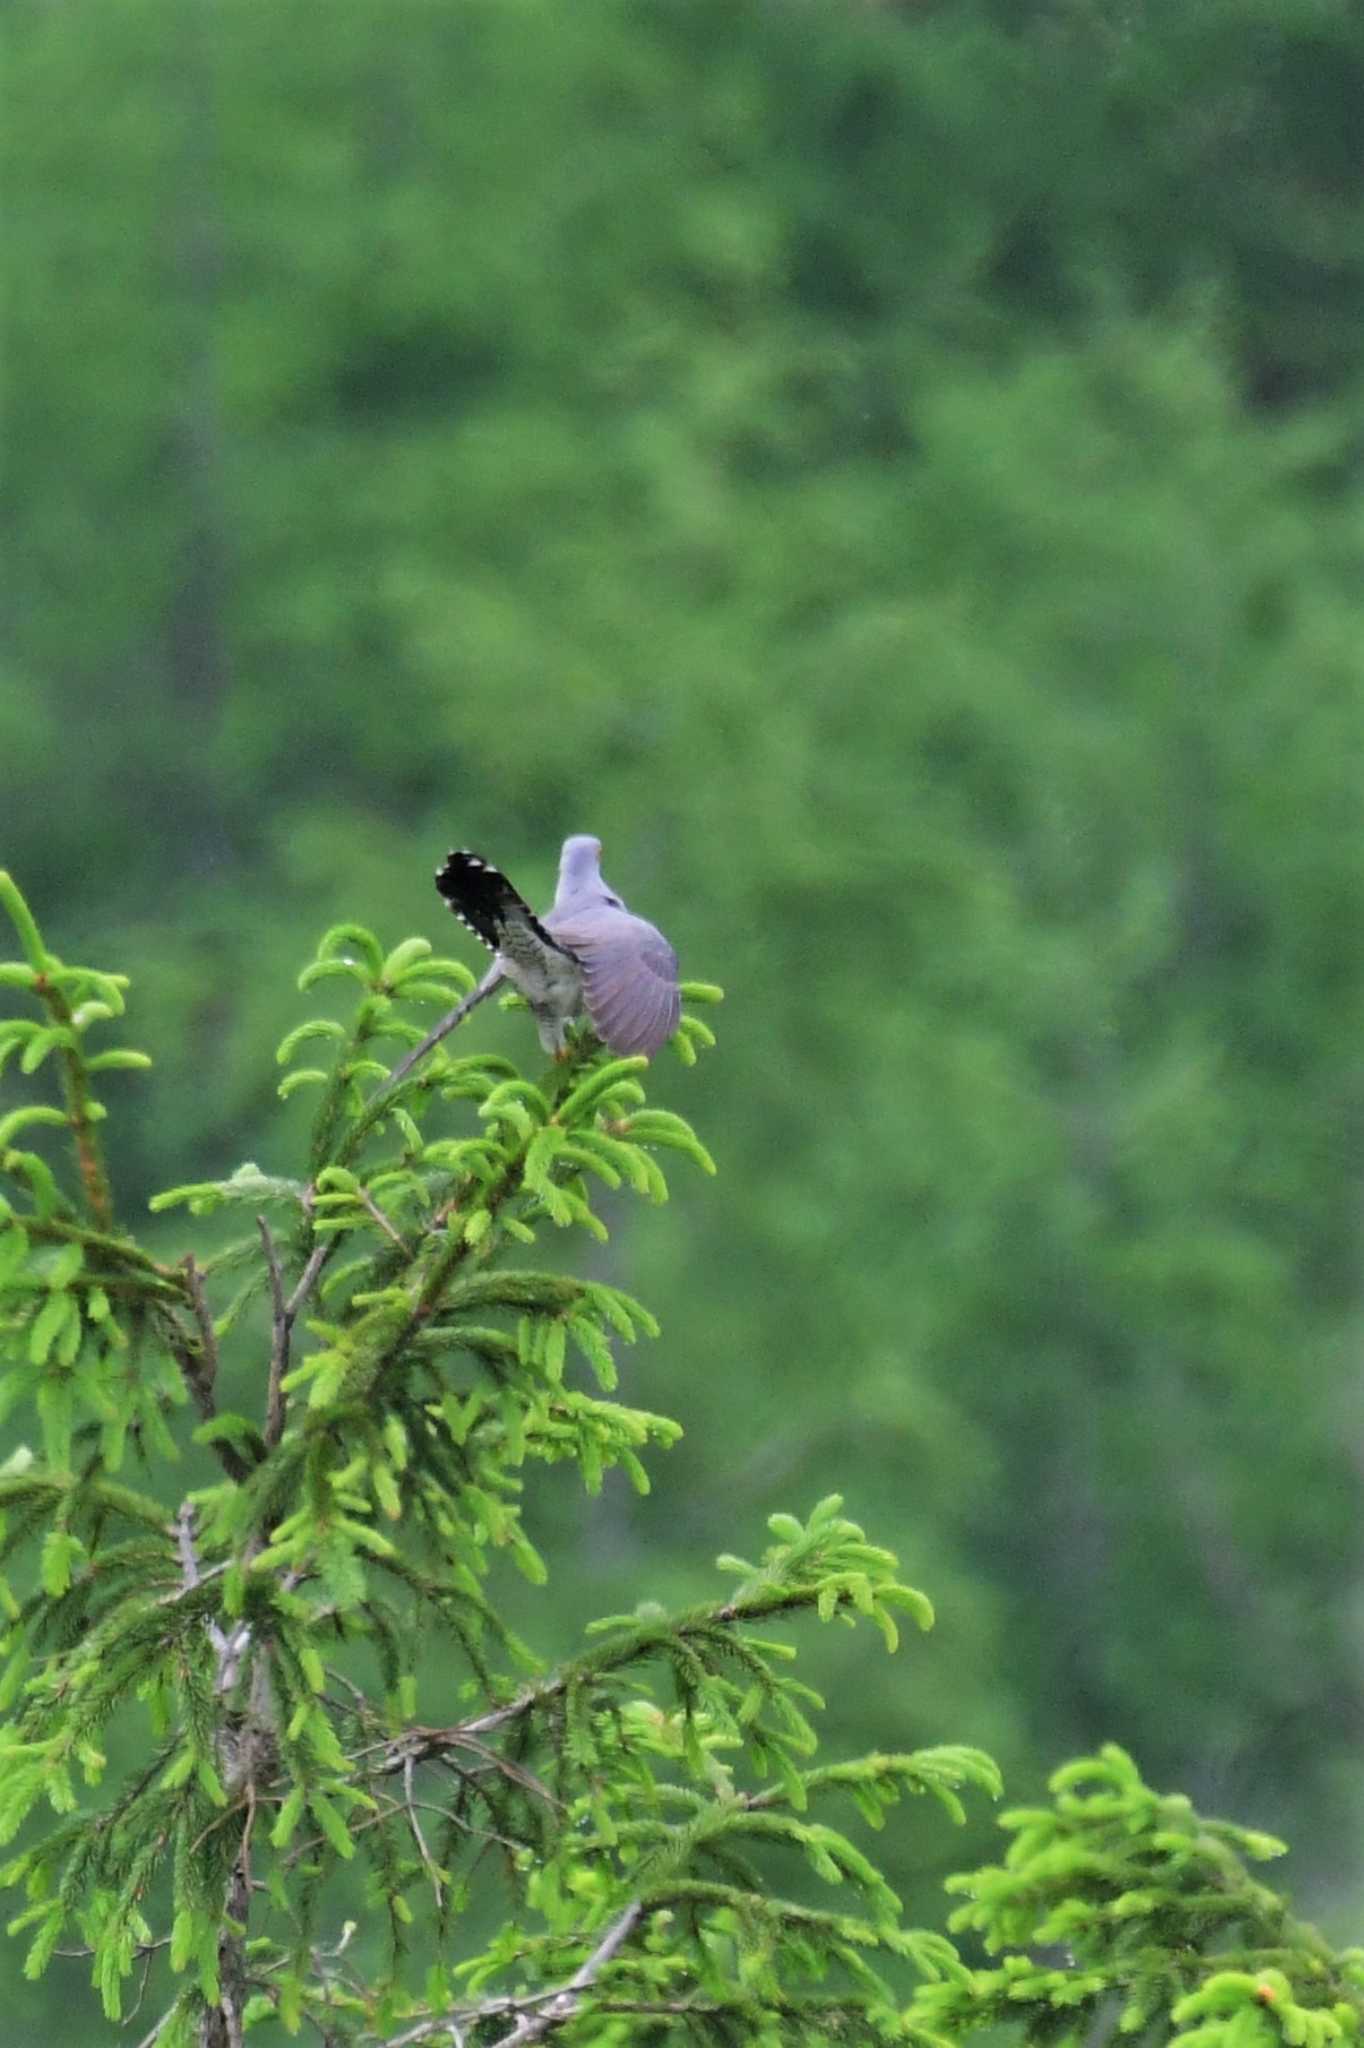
[{"x": 588, "y": 955}]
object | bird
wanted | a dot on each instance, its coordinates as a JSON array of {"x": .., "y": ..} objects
[{"x": 587, "y": 956}]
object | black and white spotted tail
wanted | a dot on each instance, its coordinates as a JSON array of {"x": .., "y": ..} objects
[{"x": 484, "y": 900}]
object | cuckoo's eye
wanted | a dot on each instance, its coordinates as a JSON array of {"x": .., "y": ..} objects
[{"x": 614, "y": 902}]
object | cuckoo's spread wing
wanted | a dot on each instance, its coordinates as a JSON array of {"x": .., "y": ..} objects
[{"x": 629, "y": 975}]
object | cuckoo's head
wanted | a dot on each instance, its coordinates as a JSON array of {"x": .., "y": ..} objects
[{"x": 580, "y": 878}]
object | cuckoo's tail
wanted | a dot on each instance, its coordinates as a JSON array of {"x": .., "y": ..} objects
[{"x": 484, "y": 900}]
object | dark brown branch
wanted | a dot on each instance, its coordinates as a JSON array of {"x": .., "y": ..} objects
[
  {"x": 279, "y": 1345},
  {"x": 285, "y": 1315},
  {"x": 207, "y": 1370},
  {"x": 221, "y": 2026},
  {"x": 198, "y": 1363}
]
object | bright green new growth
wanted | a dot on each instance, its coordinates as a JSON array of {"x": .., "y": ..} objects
[
  {"x": 629, "y": 1811},
  {"x": 600, "y": 1851},
  {"x": 1158, "y": 1930}
]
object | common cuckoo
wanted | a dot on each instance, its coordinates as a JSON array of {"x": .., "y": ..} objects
[{"x": 588, "y": 955}]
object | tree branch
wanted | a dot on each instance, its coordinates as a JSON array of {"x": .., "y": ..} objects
[
  {"x": 418, "y": 1837},
  {"x": 377, "y": 1213},
  {"x": 285, "y": 1314},
  {"x": 490, "y": 983},
  {"x": 536, "y": 2025},
  {"x": 317, "y": 1259},
  {"x": 199, "y": 1365},
  {"x": 76, "y": 1090},
  {"x": 279, "y": 1345},
  {"x": 207, "y": 1371},
  {"x": 228, "y": 1649},
  {"x": 423, "y": 1743},
  {"x": 540, "y": 2011}
]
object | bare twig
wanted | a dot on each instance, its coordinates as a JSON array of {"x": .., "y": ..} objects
[
  {"x": 534, "y": 2026},
  {"x": 197, "y": 1358},
  {"x": 377, "y": 1213},
  {"x": 276, "y": 1276},
  {"x": 539, "y": 2011},
  {"x": 149, "y": 2039},
  {"x": 432, "y": 1872},
  {"x": 184, "y": 1543},
  {"x": 490, "y": 983},
  {"x": 207, "y": 1371},
  {"x": 228, "y": 1648},
  {"x": 83, "y": 1955},
  {"x": 420, "y": 1745},
  {"x": 317, "y": 1259},
  {"x": 279, "y": 1346},
  {"x": 285, "y": 1314},
  {"x": 138, "y": 2002},
  {"x": 231, "y": 1649}
]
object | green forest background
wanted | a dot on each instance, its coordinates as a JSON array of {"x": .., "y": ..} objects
[{"x": 896, "y": 474}]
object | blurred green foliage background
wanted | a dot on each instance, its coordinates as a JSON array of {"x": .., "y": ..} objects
[{"x": 894, "y": 472}]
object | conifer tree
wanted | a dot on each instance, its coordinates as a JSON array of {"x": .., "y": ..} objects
[
  {"x": 228, "y": 1801},
  {"x": 1121, "y": 1911}
]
